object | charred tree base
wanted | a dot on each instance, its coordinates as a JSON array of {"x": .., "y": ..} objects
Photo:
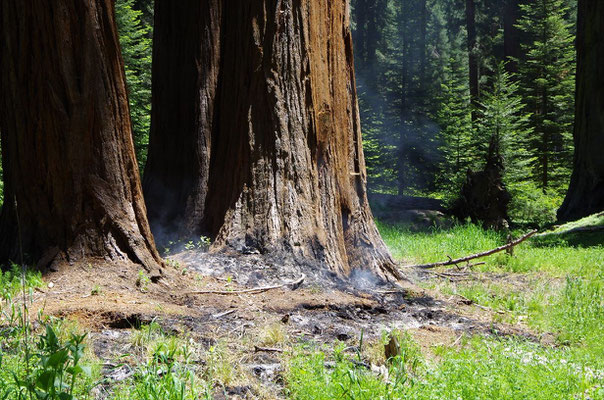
[
  {"x": 253, "y": 269},
  {"x": 484, "y": 198}
]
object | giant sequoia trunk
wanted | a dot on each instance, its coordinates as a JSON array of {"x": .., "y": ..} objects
[
  {"x": 72, "y": 189},
  {"x": 186, "y": 55},
  {"x": 287, "y": 173},
  {"x": 586, "y": 193}
]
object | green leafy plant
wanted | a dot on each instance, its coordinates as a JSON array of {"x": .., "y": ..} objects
[{"x": 57, "y": 367}]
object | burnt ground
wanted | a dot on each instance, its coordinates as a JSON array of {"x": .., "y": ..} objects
[{"x": 112, "y": 301}]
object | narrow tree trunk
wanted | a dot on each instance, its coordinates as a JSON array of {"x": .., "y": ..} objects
[
  {"x": 422, "y": 46},
  {"x": 71, "y": 179},
  {"x": 362, "y": 12},
  {"x": 287, "y": 172},
  {"x": 472, "y": 54},
  {"x": 586, "y": 193},
  {"x": 511, "y": 35},
  {"x": 186, "y": 56}
]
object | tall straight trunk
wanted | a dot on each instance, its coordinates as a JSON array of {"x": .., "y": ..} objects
[
  {"x": 586, "y": 192},
  {"x": 422, "y": 46},
  {"x": 72, "y": 188},
  {"x": 361, "y": 13},
  {"x": 287, "y": 173},
  {"x": 511, "y": 35},
  {"x": 472, "y": 55},
  {"x": 186, "y": 57}
]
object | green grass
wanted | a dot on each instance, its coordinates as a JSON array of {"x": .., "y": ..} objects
[{"x": 484, "y": 368}]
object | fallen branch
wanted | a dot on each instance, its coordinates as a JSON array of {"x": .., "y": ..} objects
[
  {"x": 292, "y": 285},
  {"x": 258, "y": 349},
  {"x": 224, "y": 314},
  {"x": 474, "y": 256}
]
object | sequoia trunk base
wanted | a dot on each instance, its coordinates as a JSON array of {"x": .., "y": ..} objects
[
  {"x": 287, "y": 171},
  {"x": 72, "y": 188}
]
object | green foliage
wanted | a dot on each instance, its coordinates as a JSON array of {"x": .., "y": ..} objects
[
  {"x": 504, "y": 126},
  {"x": 413, "y": 84},
  {"x": 455, "y": 120},
  {"x": 547, "y": 75},
  {"x": 11, "y": 281},
  {"x": 530, "y": 204},
  {"x": 167, "y": 375},
  {"x": 135, "y": 40}
]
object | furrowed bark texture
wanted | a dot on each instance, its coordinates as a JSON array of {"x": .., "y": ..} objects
[
  {"x": 68, "y": 155},
  {"x": 287, "y": 172},
  {"x": 186, "y": 55},
  {"x": 586, "y": 193}
]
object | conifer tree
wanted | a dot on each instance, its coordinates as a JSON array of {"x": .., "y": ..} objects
[
  {"x": 505, "y": 125},
  {"x": 547, "y": 82},
  {"x": 455, "y": 119},
  {"x": 136, "y": 51}
]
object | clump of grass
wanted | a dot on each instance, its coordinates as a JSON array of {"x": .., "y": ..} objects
[
  {"x": 273, "y": 334},
  {"x": 11, "y": 281},
  {"x": 436, "y": 244}
]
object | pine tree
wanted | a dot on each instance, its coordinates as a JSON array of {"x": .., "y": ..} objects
[
  {"x": 547, "y": 82},
  {"x": 136, "y": 51},
  {"x": 455, "y": 119},
  {"x": 505, "y": 125}
]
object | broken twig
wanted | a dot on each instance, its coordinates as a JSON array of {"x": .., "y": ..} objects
[
  {"x": 292, "y": 285},
  {"x": 473, "y": 256},
  {"x": 258, "y": 349},
  {"x": 224, "y": 314}
]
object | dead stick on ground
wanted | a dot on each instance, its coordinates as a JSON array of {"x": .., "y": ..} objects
[
  {"x": 474, "y": 256},
  {"x": 258, "y": 349},
  {"x": 293, "y": 285}
]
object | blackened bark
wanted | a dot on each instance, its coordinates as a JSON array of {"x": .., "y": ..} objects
[
  {"x": 287, "y": 172},
  {"x": 71, "y": 178},
  {"x": 472, "y": 55},
  {"x": 586, "y": 193},
  {"x": 511, "y": 35},
  {"x": 186, "y": 56}
]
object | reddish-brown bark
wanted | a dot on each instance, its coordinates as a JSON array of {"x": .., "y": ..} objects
[
  {"x": 287, "y": 170},
  {"x": 287, "y": 173},
  {"x": 71, "y": 178}
]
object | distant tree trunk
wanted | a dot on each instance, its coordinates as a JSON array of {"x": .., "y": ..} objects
[
  {"x": 361, "y": 13},
  {"x": 511, "y": 35},
  {"x": 586, "y": 193},
  {"x": 186, "y": 62},
  {"x": 287, "y": 172},
  {"x": 472, "y": 54},
  {"x": 72, "y": 185},
  {"x": 422, "y": 46}
]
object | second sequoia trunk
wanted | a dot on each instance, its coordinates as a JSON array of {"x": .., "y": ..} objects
[
  {"x": 186, "y": 55},
  {"x": 586, "y": 193},
  {"x": 287, "y": 172}
]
